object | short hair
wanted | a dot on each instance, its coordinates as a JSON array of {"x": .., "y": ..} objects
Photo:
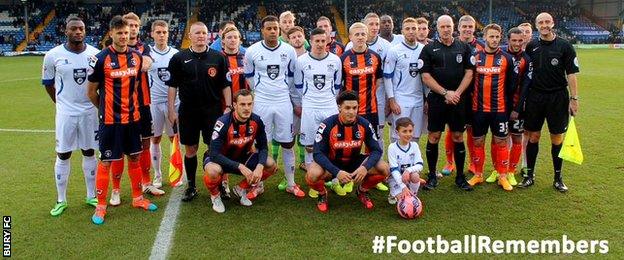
[
  {"x": 514, "y": 30},
  {"x": 73, "y": 18},
  {"x": 229, "y": 30},
  {"x": 526, "y": 25},
  {"x": 159, "y": 23},
  {"x": 387, "y": 16},
  {"x": 286, "y": 13},
  {"x": 323, "y": 18},
  {"x": 370, "y": 15},
  {"x": 294, "y": 30},
  {"x": 347, "y": 95},
  {"x": 403, "y": 122},
  {"x": 410, "y": 20},
  {"x": 422, "y": 20},
  {"x": 198, "y": 24},
  {"x": 466, "y": 18},
  {"x": 223, "y": 24},
  {"x": 268, "y": 18},
  {"x": 243, "y": 92},
  {"x": 316, "y": 31},
  {"x": 492, "y": 26},
  {"x": 132, "y": 16},
  {"x": 117, "y": 22},
  {"x": 356, "y": 26}
]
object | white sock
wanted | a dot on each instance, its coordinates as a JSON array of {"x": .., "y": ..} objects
[
  {"x": 380, "y": 132},
  {"x": 61, "y": 176},
  {"x": 414, "y": 187},
  {"x": 156, "y": 159},
  {"x": 309, "y": 158},
  {"x": 89, "y": 164},
  {"x": 523, "y": 154},
  {"x": 289, "y": 166}
]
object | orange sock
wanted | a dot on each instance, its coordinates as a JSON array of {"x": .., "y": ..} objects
[
  {"x": 371, "y": 180},
  {"x": 449, "y": 146},
  {"x": 319, "y": 185},
  {"x": 470, "y": 143},
  {"x": 245, "y": 185},
  {"x": 502, "y": 158},
  {"x": 134, "y": 171},
  {"x": 478, "y": 159},
  {"x": 117, "y": 167},
  {"x": 101, "y": 183},
  {"x": 212, "y": 185},
  {"x": 493, "y": 153},
  {"x": 146, "y": 165},
  {"x": 514, "y": 157}
]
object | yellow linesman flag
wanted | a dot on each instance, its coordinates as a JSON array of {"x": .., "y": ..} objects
[
  {"x": 176, "y": 167},
  {"x": 571, "y": 150}
]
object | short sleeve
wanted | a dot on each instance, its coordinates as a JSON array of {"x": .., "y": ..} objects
[
  {"x": 175, "y": 72},
  {"x": 48, "y": 70},
  {"x": 249, "y": 66},
  {"x": 469, "y": 60},
  {"x": 571, "y": 60},
  {"x": 96, "y": 65},
  {"x": 425, "y": 56}
]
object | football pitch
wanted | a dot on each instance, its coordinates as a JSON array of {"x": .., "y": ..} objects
[{"x": 278, "y": 225}]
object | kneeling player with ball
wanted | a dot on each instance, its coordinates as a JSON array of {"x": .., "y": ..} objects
[
  {"x": 405, "y": 161},
  {"x": 337, "y": 147},
  {"x": 232, "y": 151}
]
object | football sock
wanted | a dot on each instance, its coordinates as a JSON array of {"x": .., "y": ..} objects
[
  {"x": 319, "y": 185},
  {"x": 557, "y": 162},
  {"x": 145, "y": 161},
  {"x": 514, "y": 157},
  {"x": 135, "y": 171},
  {"x": 448, "y": 147},
  {"x": 460, "y": 157},
  {"x": 101, "y": 182},
  {"x": 469, "y": 141},
  {"x": 502, "y": 158},
  {"x": 478, "y": 159},
  {"x": 212, "y": 184},
  {"x": 288, "y": 155},
  {"x": 432, "y": 157},
  {"x": 531, "y": 155},
  {"x": 371, "y": 180},
  {"x": 156, "y": 158},
  {"x": 117, "y": 167},
  {"x": 61, "y": 172},
  {"x": 190, "y": 165},
  {"x": 309, "y": 158},
  {"x": 89, "y": 165}
]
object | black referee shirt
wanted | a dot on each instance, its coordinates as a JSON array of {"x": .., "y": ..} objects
[
  {"x": 447, "y": 64},
  {"x": 552, "y": 61},
  {"x": 200, "y": 79}
]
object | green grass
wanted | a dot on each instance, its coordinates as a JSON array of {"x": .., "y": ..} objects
[{"x": 280, "y": 226}]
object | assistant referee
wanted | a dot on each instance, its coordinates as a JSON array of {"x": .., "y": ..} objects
[
  {"x": 199, "y": 73},
  {"x": 554, "y": 65}
]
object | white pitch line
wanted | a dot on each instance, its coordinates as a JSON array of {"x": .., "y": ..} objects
[
  {"x": 166, "y": 231},
  {"x": 26, "y": 130},
  {"x": 22, "y": 79}
]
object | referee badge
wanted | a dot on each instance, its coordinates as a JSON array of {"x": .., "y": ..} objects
[
  {"x": 459, "y": 58},
  {"x": 212, "y": 72},
  {"x": 554, "y": 62}
]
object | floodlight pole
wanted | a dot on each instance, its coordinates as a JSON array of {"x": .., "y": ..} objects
[
  {"x": 346, "y": 21},
  {"x": 490, "y": 11},
  {"x": 25, "y": 2}
]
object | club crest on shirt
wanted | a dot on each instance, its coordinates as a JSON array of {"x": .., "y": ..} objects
[
  {"x": 273, "y": 71},
  {"x": 330, "y": 67},
  {"x": 459, "y": 58},
  {"x": 80, "y": 75},
  {"x": 358, "y": 135},
  {"x": 283, "y": 57},
  {"x": 163, "y": 74},
  {"x": 212, "y": 72},
  {"x": 319, "y": 81}
]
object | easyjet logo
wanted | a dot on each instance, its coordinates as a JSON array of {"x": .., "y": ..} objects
[
  {"x": 241, "y": 140},
  {"x": 236, "y": 71},
  {"x": 361, "y": 71},
  {"x": 347, "y": 144},
  {"x": 488, "y": 70},
  {"x": 129, "y": 72}
]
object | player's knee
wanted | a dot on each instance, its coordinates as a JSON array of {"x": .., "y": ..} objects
[
  {"x": 133, "y": 157},
  {"x": 156, "y": 139},
  {"x": 556, "y": 139},
  {"x": 457, "y": 137},
  {"x": 414, "y": 177},
  {"x": 478, "y": 141},
  {"x": 212, "y": 170},
  {"x": 434, "y": 137},
  {"x": 516, "y": 139},
  {"x": 190, "y": 151},
  {"x": 270, "y": 165},
  {"x": 288, "y": 145},
  {"x": 309, "y": 149},
  {"x": 88, "y": 153},
  {"x": 314, "y": 173},
  {"x": 500, "y": 141},
  {"x": 64, "y": 156},
  {"x": 382, "y": 168},
  {"x": 534, "y": 137}
]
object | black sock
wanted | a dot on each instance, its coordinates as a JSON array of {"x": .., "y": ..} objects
[
  {"x": 557, "y": 162},
  {"x": 459, "y": 153},
  {"x": 531, "y": 156},
  {"x": 191, "y": 168},
  {"x": 432, "y": 158}
]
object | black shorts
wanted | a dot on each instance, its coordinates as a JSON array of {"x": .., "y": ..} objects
[
  {"x": 516, "y": 126},
  {"x": 440, "y": 114},
  {"x": 552, "y": 107},
  {"x": 192, "y": 124},
  {"x": 497, "y": 122},
  {"x": 147, "y": 128},
  {"x": 251, "y": 161},
  {"x": 118, "y": 139},
  {"x": 352, "y": 165},
  {"x": 373, "y": 118}
]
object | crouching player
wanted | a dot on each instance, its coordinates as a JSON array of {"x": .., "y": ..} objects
[
  {"x": 337, "y": 147},
  {"x": 232, "y": 151},
  {"x": 405, "y": 161}
]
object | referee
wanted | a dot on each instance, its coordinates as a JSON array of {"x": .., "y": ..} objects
[
  {"x": 447, "y": 70},
  {"x": 199, "y": 73},
  {"x": 554, "y": 70}
]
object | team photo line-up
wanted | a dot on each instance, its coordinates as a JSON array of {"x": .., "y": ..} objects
[{"x": 332, "y": 100}]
